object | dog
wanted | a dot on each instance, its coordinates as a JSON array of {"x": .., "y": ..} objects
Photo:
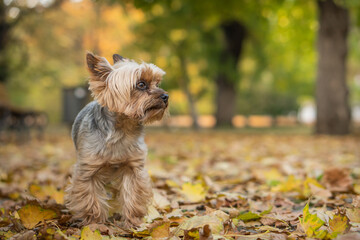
[{"x": 108, "y": 135}]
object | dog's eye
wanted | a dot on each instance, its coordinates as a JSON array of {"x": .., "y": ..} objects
[{"x": 141, "y": 85}]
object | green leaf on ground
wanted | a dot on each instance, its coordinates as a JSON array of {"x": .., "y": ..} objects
[{"x": 311, "y": 223}]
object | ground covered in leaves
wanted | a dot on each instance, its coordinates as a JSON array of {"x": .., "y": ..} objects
[{"x": 207, "y": 185}]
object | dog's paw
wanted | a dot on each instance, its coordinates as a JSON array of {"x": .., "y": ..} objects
[
  {"x": 102, "y": 228},
  {"x": 130, "y": 223}
]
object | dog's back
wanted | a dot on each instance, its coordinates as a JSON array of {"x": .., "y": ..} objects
[{"x": 88, "y": 109}]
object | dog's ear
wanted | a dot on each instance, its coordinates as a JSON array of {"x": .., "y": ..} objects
[
  {"x": 99, "y": 69},
  {"x": 117, "y": 58},
  {"x": 98, "y": 66}
]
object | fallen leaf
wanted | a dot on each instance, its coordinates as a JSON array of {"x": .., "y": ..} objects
[
  {"x": 193, "y": 192},
  {"x": 161, "y": 231},
  {"x": 263, "y": 236},
  {"x": 42, "y": 192},
  {"x": 311, "y": 223},
  {"x": 87, "y": 234},
  {"x": 337, "y": 180},
  {"x": 31, "y": 215},
  {"x": 353, "y": 214},
  {"x": 159, "y": 200},
  {"x": 313, "y": 187},
  {"x": 6, "y": 234},
  {"x": 205, "y": 233},
  {"x": 152, "y": 214},
  {"x": 291, "y": 184},
  {"x": 248, "y": 216},
  {"x": 349, "y": 236},
  {"x": 269, "y": 228},
  {"x": 319, "y": 191},
  {"x": 339, "y": 224},
  {"x": 199, "y": 221},
  {"x": 141, "y": 231}
]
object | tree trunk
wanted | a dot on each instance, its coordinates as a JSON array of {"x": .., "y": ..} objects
[
  {"x": 184, "y": 82},
  {"x": 226, "y": 81},
  {"x": 333, "y": 111},
  {"x": 4, "y": 38}
]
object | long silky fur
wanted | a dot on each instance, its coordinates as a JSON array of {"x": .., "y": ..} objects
[{"x": 109, "y": 140}]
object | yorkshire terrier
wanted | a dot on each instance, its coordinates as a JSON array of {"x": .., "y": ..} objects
[{"x": 108, "y": 135}]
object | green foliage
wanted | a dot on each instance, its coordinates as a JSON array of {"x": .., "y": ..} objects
[
  {"x": 267, "y": 102},
  {"x": 278, "y": 59},
  {"x": 277, "y": 69}
]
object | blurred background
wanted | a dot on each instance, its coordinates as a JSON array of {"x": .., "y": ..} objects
[{"x": 238, "y": 63}]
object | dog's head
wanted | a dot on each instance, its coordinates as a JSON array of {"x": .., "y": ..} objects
[{"x": 128, "y": 87}]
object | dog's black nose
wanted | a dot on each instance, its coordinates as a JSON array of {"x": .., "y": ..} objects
[{"x": 165, "y": 97}]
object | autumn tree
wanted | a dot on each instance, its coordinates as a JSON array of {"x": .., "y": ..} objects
[
  {"x": 333, "y": 110},
  {"x": 11, "y": 13},
  {"x": 234, "y": 33},
  {"x": 226, "y": 25}
]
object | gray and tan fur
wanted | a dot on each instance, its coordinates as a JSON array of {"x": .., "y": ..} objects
[{"x": 109, "y": 140}]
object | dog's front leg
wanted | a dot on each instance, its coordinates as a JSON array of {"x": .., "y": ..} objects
[
  {"x": 135, "y": 193},
  {"x": 86, "y": 196}
]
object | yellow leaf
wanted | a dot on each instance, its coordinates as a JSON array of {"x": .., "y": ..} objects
[
  {"x": 338, "y": 225},
  {"x": 6, "y": 235},
  {"x": 31, "y": 215},
  {"x": 141, "y": 232},
  {"x": 307, "y": 190},
  {"x": 160, "y": 201},
  {"x": 321, "y": 234},
  {"x": 171, "y": 184},
  {"x": 311, "y": 223},
  {"x": 357, "y": 188},
  {"x": 291, "y": 184},
  {"x": 152, "y": 214},
  {"x": 42, "y": 192},
  {"x": 161, "y": 231},
  {"x": 87, "y": 234},
  {"x": 14, "y": 195},
  {"x": 273, "y": 174},
  {"x": 50, "y": 231},
  {"x": 353, "y": 215},
  {"x": 193, "y": 192},
  {"x": 37, "y": 192},
  {"x": 192, "y": 234}
]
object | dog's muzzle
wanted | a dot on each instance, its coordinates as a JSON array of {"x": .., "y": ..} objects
[{"x": 165, "y": 97}]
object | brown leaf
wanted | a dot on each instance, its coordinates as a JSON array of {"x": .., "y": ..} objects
[
  {"x": 356, "y": 201},
  {"x": 267, "y": 221},
  {"x": 320, "y": 192},
  {"x": 337, "y": 180},
  {"x": 28, "y": 235},
  {"x": 349, "y": 236},
  {"x": 205, "y": 233},
  {"x": 102, "y": 228},
  {"x": 161, "y": 230}
]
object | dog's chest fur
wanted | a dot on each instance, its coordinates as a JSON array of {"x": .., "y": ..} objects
[{"x": 105, "y": 135}]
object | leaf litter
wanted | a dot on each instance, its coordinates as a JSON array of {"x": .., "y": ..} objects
[{"x": 207, "y": 185}]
